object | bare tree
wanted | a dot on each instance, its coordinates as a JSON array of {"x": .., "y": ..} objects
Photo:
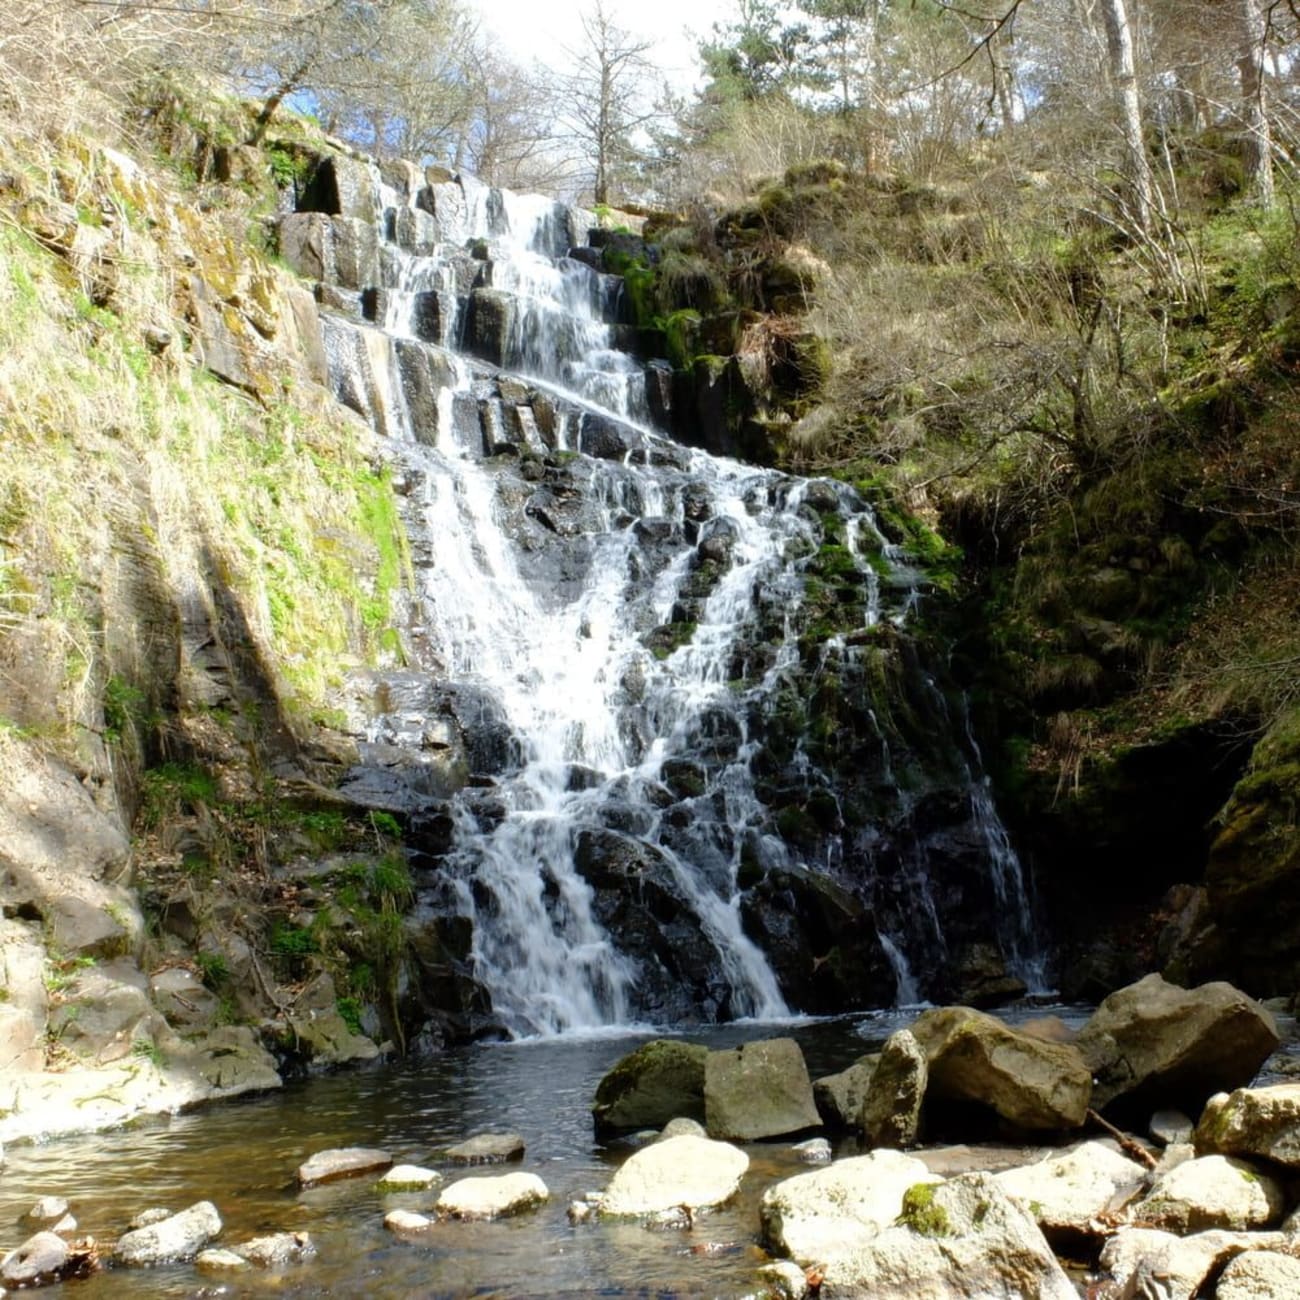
[{"x": 606, "y": 95}]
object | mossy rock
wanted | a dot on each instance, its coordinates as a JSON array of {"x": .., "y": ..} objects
[{"x": 661, "y": 1080}]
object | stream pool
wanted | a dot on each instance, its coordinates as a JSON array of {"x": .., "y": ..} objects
[{"x": 242, "y": 1156}]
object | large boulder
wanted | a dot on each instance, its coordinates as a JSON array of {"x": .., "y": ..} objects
[
  {"x": 1155, "y": 1044},
  {"x": 891, "y": 1110},
  {"x": 813, "y": 1216},
  {"x": 1212, "y": 1192},
  {"x": 679, "y": 1172},
  {"x": 974, "y": 1057},
  {"x": 1253, "y": 1122},
  {"x": 660, "y": 1081},
  {"x": 1067, "y": 1193},
  {"x": 179, "y": 1236},
  {"x": 964, "y": 1237},
  {"x": 758, "y": 1090}
]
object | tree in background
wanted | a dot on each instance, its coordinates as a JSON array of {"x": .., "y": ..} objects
[{"x": 605, "y": 99}]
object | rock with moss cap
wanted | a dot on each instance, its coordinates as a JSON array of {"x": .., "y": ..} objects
[{"x": 660, "y": 1081}]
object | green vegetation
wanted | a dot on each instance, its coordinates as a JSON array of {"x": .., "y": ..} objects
[{"x": 921, "y": 1214}]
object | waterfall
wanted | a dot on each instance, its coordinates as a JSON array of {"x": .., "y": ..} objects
[{"x": 613, "y": 635}]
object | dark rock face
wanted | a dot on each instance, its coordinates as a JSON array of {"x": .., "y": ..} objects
[{"x": 823, "y": 810}]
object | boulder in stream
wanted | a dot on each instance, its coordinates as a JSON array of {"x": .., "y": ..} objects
[
  {"x": 407, "y": 1178},
  {"x": 1067, "y": 1193},
  {"x": 839, "y": 1097},
  {"x": 487, "y": 1149},
  {"x": 813, "y": 1216},
  {"x": 492, "y": 1196},
  {"x": 342, "y": 1162},
  {"x": 1143, "y": 1262},
  {"x": 1260, "y": 1275},
  {"x": 177, "y": 1237},
  {"x": 277, "y": 1249},
  {"x": 1030, "y": 1083},
  {"x": 1155, "y": 1044},
  {"x": 678, "y": 1173},
  {"x": 758, "y": 1090},
  {"x": 1212, "y": 1192},
  {"x": 41, "y": 1259},
  {"x": 661, "y": 1081}
]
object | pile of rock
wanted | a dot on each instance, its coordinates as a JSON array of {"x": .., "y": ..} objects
[{"x": 886, "y": 1224}]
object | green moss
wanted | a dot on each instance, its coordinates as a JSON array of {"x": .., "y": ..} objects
[{"x": 921, "y": 1214}]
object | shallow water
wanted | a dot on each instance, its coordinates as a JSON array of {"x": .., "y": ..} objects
[{"x": 242, "y": 1156}]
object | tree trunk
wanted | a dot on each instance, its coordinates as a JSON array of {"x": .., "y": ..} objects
[
  {"x": 1254, "y": 110},
  {"x": 1140, "y": 199}
]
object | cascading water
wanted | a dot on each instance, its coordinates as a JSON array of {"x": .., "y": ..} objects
[{"x": 629, "y": 824}]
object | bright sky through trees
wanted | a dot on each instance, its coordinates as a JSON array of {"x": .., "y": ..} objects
[{"x": 533, "y": 29}]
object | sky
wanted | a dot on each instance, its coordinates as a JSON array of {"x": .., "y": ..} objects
[{"x": 541, "y": 29}]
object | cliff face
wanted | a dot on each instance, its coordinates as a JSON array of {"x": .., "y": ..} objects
[{"x": 196, "y": 543}]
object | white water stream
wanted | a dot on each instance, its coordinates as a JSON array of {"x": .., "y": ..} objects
[{"x": 598, "y": 714}]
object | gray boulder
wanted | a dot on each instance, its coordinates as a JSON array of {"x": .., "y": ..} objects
[
  {"x": 1155, "y": 1044},
  {"x": 1261, "y": 1122},
  {"x": 758, "y": 1090},
  {"x": 891, "y": 1110},
  {"x": 487, "y": 1149},
  {"x": 277, "y": 1249},
  {"x": 1030, "y": 1083},
  {"x": 1147, "y": 1262},
  {"x": 661, "y": 1081},
  {"x": 177, "y": 1237},
  {"x": 839, "y": 1097},
  {"x": 688, "y": 1173},
  {"x": 964, "y": 1237}
]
